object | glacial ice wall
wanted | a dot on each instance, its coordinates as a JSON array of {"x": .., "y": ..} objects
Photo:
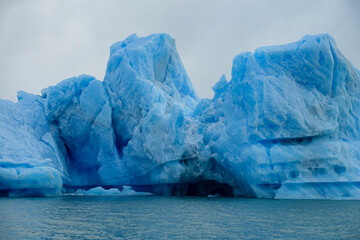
[
  {"x": 285, "y": 126},
  {"x": 288, "y": 121}
]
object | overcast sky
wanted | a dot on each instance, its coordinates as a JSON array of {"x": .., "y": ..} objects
[{"x": 44, "y": 42}]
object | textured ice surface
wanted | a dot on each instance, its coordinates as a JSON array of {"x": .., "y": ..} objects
[
  {"x": 152, "y": 100},
  {"x": 285, "y": 126},
  {"x": 79, "y": 114},
  {"x": 30, "y": 163}
]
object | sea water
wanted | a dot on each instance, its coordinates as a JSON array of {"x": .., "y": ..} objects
[{"x": 154, "y": 217}]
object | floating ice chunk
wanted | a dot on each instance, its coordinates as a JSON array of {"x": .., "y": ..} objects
[
  {"x": 214, "y": 195},
  {"x": 127, "y": 191}
]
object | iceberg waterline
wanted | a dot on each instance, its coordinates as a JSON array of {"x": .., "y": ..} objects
[{"x": 285, "y": 126}]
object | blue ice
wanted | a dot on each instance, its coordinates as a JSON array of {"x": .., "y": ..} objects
[{"x": 286, "y": 125}]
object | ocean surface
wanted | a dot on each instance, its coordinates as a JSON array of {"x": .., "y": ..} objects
[{"x": 154, "y": 217}]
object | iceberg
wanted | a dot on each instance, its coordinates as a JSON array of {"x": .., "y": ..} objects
[{"x": 285, "y": 126}]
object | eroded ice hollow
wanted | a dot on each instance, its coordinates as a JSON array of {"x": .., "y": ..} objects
[{"x": 285, "y": 126}]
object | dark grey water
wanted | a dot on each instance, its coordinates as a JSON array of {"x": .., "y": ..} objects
[{"x": 151, "y": 217}]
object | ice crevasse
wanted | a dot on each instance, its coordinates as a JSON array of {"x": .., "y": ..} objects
[{"x": 286, "y": 125}]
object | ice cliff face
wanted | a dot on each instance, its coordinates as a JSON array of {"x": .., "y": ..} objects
[{"x": 285, "y": 126}]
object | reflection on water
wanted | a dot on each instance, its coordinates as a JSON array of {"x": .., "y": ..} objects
[{"x": 153, "y": 217}]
